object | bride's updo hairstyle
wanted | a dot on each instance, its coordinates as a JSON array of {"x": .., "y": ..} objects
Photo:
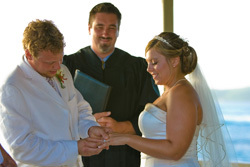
[{"x": 171, "y": 45}]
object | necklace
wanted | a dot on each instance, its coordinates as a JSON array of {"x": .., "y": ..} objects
[
  {"x": 174, "y": 85},
  {"x": 178, "y": 82}
]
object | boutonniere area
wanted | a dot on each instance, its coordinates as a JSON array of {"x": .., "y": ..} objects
[{"x": 60, "y": 77}]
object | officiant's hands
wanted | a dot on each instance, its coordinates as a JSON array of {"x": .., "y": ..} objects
[
  {"x": 101, "y": 117},
  {"x": 105, "y": 120}
]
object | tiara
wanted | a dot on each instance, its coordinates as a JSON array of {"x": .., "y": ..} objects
[{"x": 161, "y": 39}]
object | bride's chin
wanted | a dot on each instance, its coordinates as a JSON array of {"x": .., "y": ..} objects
[{"x": 157, "y": 82}]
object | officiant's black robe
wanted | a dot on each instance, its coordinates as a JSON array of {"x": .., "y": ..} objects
[{"x": 132, "y": 87}]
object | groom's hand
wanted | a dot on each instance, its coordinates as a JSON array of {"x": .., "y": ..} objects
[{"x": 90, "y": 146}]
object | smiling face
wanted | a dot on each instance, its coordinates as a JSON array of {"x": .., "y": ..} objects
[
  {"x": 158, "y": 67},
  {"x": 104, "y": 32},
  {"x": 46, "y": 63}
]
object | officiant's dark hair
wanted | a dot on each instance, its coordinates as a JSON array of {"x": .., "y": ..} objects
[
  {"x": 42, "y": 35},
  {"x": 104, "y": 8}
]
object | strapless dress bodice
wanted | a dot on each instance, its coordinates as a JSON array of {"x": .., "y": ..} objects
[{"x": 152, "y": 123}]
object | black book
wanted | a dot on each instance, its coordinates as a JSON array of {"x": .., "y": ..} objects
[{"x": 93, "y": 91}]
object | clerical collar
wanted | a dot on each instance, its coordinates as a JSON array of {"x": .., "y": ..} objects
[{"x": 104, "y": 59}]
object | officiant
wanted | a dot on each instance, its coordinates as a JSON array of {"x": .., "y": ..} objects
[{"x": 131, "y": 85}]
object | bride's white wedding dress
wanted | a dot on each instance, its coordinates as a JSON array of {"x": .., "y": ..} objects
[{"x": 152, "y": 123}]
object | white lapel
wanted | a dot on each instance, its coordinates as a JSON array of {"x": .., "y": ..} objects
[{"x": 41, "y": 83}]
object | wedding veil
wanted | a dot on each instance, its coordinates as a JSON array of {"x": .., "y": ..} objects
[{"x": 214, "y": 145}]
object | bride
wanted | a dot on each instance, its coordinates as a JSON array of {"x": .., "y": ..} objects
[{"x": 184, "y": 121}]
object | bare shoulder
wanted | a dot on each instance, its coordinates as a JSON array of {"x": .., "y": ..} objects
[
  {"x": 184, "y": 98},
  {"x": 183, "y": 95},
  {"x": 183, "y": 90}
]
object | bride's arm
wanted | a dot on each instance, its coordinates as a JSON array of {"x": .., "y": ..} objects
[{"x": 181, "y": 124}]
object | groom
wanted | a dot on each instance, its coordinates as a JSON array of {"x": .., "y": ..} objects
[{"x": 44, "y": 120}]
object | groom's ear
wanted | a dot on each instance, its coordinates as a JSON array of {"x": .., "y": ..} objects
[{"x": 28, "y": 55}]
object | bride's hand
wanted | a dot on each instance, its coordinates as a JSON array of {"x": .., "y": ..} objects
[{"x": 118, "y": 139}]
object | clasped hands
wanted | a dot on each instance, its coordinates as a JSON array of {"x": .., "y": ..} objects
[
  {"x": 110, "y": 132},
  {"x": 96, "y": 141}
]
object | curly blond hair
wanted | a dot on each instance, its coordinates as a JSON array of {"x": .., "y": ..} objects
[{"x": 42, "y": 35}]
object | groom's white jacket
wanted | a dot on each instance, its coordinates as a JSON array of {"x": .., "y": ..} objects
[{"x": 38, "y": 126}]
